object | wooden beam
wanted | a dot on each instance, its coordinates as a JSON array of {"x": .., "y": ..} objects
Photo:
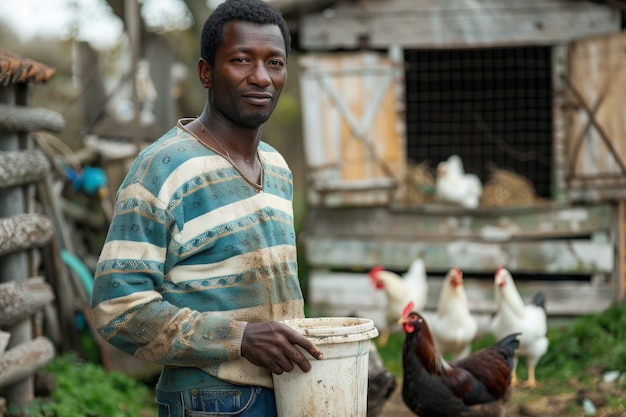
[
  {"x": 29, "y": 119},
  {"x": 426, "y": 24},
  {"x": 21, "y": 298},
  {"x": 24, "y": 231},
  {"x": 22, "y": 167},
  {"x": 25, "y": 359},
  {"x": 438, "y": 222},
  {"x": 569, "y": 257}
]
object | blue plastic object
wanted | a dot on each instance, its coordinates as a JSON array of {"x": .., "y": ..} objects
[
  {"x": 80, "y": 269},
  {"x": 89, "y": 180}
]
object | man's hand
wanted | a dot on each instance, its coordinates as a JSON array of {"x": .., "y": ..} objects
[{"x": 271, "y": 345}]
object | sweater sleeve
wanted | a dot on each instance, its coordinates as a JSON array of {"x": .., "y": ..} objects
[{"x": 127, "y": 305}]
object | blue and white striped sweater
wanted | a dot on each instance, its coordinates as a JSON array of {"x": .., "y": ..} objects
[{"x": 194, "y": 252}]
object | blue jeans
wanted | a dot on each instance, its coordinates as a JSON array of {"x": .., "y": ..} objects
[{"x": 226, "y": 400}]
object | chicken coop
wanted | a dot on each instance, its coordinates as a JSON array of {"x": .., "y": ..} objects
[{"x": 529, "y": 94}]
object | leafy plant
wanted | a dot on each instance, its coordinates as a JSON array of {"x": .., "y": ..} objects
[
  {"x": 87, "y": 389},
  {"x": 593, "y": 341}
]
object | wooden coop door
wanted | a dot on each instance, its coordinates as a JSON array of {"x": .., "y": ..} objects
[
  {"x": 354, "y": 140},
  {"x": 596, "y": 140}
]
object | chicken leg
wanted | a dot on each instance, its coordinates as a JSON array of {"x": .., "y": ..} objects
[{"x": 531, "y": 382}]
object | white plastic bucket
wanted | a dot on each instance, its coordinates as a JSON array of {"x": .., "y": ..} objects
[{"x": 336, "y": 386}]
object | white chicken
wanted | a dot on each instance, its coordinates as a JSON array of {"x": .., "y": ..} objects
[
  {"x": 399, "y": 290},
  {"x": 454, "y": 328},
  {"x": 513, "y": 316},
  {"x": 453, "y": 185}
]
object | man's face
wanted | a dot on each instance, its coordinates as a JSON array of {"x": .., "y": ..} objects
[{"x": 249, "y": 72}]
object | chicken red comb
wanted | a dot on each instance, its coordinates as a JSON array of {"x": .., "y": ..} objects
[
  {"x": 375, "y": 270},
  {"x": 408, "y": 309}
]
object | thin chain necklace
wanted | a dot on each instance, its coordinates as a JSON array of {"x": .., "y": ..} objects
[{"x": 257, "y": 186}]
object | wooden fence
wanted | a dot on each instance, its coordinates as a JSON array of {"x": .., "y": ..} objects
[{"x": 36, "y": 312}]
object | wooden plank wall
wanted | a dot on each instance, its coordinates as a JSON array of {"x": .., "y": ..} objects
[
  {"x": 568, "y": 252},
  {"x": 596, "y": 113},
  {"x": 427, "y": 24},
  {"x": 554, "y": 238},
  {"x": 353, "y": 132}
]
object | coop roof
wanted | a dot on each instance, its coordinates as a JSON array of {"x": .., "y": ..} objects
[{"x": 15, "y": 69}]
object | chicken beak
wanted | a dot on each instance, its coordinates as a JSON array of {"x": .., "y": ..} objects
[{"x": 402, "y": 320}]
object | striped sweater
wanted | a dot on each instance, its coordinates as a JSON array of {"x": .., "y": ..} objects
[{"x": 192, "y": 254}]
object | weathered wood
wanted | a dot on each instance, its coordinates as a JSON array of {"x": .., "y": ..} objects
[
  {"x": 340, "y": 294},
  {"x": 4, "y": 340},
  {"x": 548, "y": 256},
  {"x": 552, "y": 239},
  {"x": 596, "y": 149},
  {"x": 22, "y": 167},
  {"x": 437, "y": 222},
  {"x": 24, "y": 231},
  {"x": 15, "y": 69},
  {"x": 25, "y": 359},
  {"x": 621, "y": 251},
  {"x": 353, "y": 135},
  {"x": 21, "y": 298},
  {"x": 427, "y": 24},
  {"x": 559, "y": 121},
  {"x": 29, "y": 119}
]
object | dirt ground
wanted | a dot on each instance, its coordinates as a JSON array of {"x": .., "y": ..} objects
[{"x": 561, "y": 405}]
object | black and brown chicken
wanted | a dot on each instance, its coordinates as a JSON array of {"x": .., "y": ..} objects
[{"x": 475, "y": 386}]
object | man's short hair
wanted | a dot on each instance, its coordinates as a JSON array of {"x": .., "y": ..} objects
[{"x": 253, "y": 11}]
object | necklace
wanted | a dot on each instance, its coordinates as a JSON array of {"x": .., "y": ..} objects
[{"x": 257, "y": 186}]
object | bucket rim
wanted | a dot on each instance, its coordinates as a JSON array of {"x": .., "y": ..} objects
[{"x": 325, "y": 330}]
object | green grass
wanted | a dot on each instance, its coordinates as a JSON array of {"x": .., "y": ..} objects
[
  {"x": 579, "y": 352},
  {"x": 87, "y": 389}
]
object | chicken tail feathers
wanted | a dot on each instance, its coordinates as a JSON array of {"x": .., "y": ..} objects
[
  {"x": 539, "y": 299},
  {"x": 509, "y": 343}
]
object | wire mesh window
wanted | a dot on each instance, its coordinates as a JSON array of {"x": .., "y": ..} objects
[{"x": 492, "y": 107}]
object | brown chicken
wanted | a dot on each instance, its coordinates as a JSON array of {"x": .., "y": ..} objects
[{"x": 476, "y": 386}]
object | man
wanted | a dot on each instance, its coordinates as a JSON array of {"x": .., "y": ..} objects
[{"x": 199, "y": 265}]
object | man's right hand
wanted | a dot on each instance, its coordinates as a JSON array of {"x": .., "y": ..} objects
[{"x": 271, "y": 345}]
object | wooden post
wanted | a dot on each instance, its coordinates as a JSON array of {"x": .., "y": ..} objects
[
  {"x": 621, "y": 251},
  {"x": 559, "y": 92},
  {"x": 15, "y": 265},
  {"x": 17, "y": 202}
]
